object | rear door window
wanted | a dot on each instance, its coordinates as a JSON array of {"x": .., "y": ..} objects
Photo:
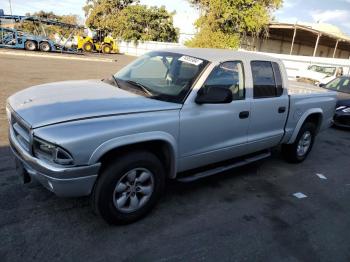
[{"x": 267, "y": 79}]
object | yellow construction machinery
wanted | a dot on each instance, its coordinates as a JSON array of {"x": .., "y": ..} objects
[{"x": 99, "y": 42}]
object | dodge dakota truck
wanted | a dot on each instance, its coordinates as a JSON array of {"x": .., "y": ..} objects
[{"x": 175, "y": 114}]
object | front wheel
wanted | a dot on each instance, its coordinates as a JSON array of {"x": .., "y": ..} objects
[
  {"x": 128, "y": 188},
  {"x": 299, "y": 150}
]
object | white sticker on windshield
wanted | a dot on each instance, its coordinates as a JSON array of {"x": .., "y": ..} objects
[{"x": 191, "y": 60}]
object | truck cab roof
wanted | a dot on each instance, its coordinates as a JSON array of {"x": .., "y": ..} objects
[{"x": 220, "y": 55}]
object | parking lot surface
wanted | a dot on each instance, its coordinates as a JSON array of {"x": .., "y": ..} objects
[{"x": 247, "y": 214}]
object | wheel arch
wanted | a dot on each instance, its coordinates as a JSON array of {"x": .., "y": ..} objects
[
  {"x": 313, "y": 115},
  {"x": 45, "y": 41},
  {"x": 161, "y": 144}
]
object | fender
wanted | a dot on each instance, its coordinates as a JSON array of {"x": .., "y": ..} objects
[
  {"x": 301, "y": 122},
  {"x": 138, "y": 138}
]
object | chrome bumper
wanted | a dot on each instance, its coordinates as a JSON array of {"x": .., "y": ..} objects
[{"x": 65, "y": 182}]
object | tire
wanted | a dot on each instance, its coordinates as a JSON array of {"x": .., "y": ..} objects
[
  {"x": 299, "y": 150},
  {"x": 106, "y": 49},
  {"x": 117, "y": 182},
  {"x": 30, "y": 45},
  {"x": 88, "y": 47},
  {"x": 45, "y": 47}
]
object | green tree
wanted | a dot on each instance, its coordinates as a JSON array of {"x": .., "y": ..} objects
[
  {"x": 223, "y": 23},
  {"x": 138, "y": 22},
  {"x": 130, "y": 21},
  {"x": 103, "y": 14}
]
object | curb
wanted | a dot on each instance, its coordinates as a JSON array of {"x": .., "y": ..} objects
[{"x": 57, "y": 56}]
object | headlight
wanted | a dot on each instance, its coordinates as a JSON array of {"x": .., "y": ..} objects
[
  {"x": 340, "y": 107},
  {"x": 346, "y": 110},
  {"x": 51, "y": 152}
]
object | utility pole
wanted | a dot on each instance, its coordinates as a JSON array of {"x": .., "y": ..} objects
[
  {"x": 294, "y": 34},
  {"x": 10, "y": 7},
  {"x": 317, "y": 41}
]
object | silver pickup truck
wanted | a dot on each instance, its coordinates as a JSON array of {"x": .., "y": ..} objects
[{"x": 180, "y": 114}]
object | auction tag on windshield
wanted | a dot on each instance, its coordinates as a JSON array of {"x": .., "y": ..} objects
[{"x": 191, "y": 60}]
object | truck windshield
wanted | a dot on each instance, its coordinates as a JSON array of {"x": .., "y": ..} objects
[{"x": 162, "y": 75}]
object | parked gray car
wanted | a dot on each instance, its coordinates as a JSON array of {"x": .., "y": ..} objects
[
  {"x": 180, "y": 114},
  {"x": 341, "y": 85}
]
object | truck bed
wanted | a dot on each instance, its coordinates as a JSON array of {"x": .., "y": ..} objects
[
  {"x": 298, "y": 88},
  {"x": 305, "y": 97}
]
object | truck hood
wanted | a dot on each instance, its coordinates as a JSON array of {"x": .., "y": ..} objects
[{"x": 58, "y": 102}]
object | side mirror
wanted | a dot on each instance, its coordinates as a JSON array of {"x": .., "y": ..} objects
[
  {"x": 214, "y": 95},
  {"x": 322, "y": 85}
]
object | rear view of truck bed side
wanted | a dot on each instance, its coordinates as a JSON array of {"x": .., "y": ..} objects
[{"x": 308, "y": 104}]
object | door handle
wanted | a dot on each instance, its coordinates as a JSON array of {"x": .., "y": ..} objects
[
  {"x": 281, "y": 109},
  {"x": 244, "y": 114}
]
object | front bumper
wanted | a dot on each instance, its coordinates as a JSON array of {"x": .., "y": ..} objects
[{"x": 62, "y": 181}]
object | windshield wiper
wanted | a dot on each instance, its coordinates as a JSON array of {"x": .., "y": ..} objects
[
  {"x": 140, "y": 86},
  {"x": 115, "y": 81}
]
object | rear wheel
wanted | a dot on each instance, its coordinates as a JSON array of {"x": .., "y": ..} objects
[
  {"x": 299, "y": 150},
  {"x": 45, "y": 47},
  {"x": 88, "y": 47},
  {"x": 30, "y": 45},
  {"x": 106, "y": 49},
  {"x": 128, "y": 188}
]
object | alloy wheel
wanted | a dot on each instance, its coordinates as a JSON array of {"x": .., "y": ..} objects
[
  {"x": 304, "y": 144},
  {"x": 133, "y": 190}
]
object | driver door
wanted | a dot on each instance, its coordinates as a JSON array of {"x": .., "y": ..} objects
[{"x": 212, "y": 133}]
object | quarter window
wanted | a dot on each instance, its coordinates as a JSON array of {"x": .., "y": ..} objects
[
  {"x": 267, "y": 79},
  {"x": 278, "y": 78},
  {"x": 228, "y": 75}
]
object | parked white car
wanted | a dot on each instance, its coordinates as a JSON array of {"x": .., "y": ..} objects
[{"x": 317, "y": 74}]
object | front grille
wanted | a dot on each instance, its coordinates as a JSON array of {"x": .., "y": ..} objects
[{"x": 21, "y": 131}]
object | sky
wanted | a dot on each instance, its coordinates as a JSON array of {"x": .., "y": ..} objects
[{"x": 336, "y": 12}]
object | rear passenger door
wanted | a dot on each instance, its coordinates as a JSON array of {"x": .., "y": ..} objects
[{"x": 269, "y": 109}]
